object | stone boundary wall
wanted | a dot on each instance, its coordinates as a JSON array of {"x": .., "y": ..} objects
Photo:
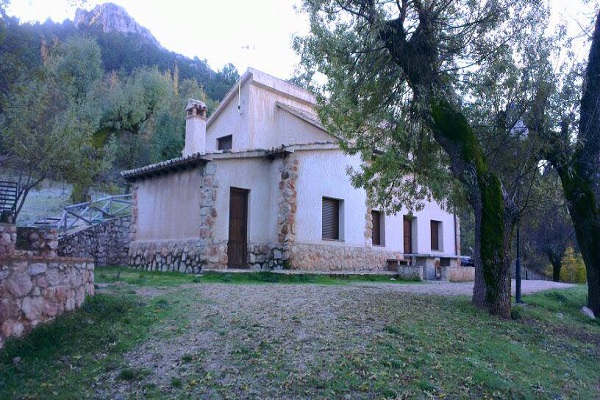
[
  {"x": 36, "y": 241},
  {"x": 8, "y": 239},
  {"x": 339, "y": 258},
  {"x": 187, "y": 256},
  {"x": 106, "y": 243},
  {"x": 410, "y": 272},
  {"x": 34, "y": 290}
]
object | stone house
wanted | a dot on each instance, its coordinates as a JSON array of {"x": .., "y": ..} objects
[{"x": 261, "y": 184}]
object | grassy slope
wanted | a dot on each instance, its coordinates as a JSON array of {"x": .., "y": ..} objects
[{"x": 431, "y": 346}]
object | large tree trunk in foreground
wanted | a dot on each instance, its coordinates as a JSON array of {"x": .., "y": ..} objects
[
  {"x": 492, "y": 288},
  {"x": 586, "y": 221},
  {"x": 579, "y": 175},
  {"x": 418, "y": 58}
]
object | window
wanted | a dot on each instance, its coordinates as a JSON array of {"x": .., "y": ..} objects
[
  {"x": 436, "y": 230},
  {"x": 331, "y": 219},
  {"x": 225, "y": 143},
  {"x": 377, "y": 233}
]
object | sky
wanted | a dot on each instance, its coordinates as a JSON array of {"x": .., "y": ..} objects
[
  {"x": 245, "y": 33},
  {"x": 255, "y": 33}
]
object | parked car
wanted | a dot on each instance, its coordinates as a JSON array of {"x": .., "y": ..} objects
[{"x": 466, "y": 261}]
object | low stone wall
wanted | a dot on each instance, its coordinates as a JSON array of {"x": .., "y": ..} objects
[
  {"x": 106, "y": 243},
  {"x": 34, "y": 241},
  {"x": 188, "y": 256},
  {"x": 458, "y": 274},
  {"x": 34, "y": 290},
  {"x": 8, "y": 239},
  {"x": 339, "y": 258},
  {"x": 410, "y": 272}
]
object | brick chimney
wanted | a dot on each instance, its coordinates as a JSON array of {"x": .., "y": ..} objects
[{"x": 195, "y": 128}]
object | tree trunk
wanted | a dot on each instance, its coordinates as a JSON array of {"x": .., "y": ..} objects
[
  {"x": 586, "y": 221},
  {"x": 579, "y": 175},
  {"x": 556, "y": 267},
  {"x": 492, "y": 288}
]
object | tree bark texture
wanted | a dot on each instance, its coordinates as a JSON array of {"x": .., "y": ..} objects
[{"x": 492, "y": 288}]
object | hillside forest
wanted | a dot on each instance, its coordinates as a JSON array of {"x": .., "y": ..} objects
[{"x": 79, "y": 105}]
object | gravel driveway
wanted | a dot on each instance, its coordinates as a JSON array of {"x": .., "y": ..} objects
[{"x": 297, "y": 325}]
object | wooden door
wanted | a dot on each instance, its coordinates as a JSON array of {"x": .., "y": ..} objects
[
  {"x": 237, "y": 246},
  {"x": 408, "y": 235}
]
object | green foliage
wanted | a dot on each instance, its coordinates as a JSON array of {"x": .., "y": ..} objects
[
  {"x": 107, "y": 102},
  {"x": 573, "y": 267},
  {"x": 156, "y": 278}
]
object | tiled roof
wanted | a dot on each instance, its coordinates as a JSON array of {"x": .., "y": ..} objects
[{"x": 165, "y": 167}]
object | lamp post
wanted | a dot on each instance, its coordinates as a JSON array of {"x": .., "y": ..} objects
[
  {"x": 518, "y": 265},
  {"x": 518, "y": 260}
]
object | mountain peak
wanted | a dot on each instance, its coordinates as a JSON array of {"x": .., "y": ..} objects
[{"x": 112, "y": 18}]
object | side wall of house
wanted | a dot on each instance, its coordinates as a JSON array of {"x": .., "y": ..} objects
[
  {"x": 172, "y": 222},
  {"x": 323, "y": 174},
  {"x": 168, "y": 206}
]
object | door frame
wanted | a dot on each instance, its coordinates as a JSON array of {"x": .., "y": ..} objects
[{"x": 234, "y": 191}]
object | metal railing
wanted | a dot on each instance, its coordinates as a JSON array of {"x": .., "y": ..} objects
[{"x": 83, "y": 215}]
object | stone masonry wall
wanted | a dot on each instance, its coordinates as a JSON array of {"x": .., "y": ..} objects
[
  {"x": 34, "y": 290},
  {"x": 34, "y": 241},
  {"x": 106, "y": 243},
  {"x": 215, "y": 253},
  {"x": 339, "y": 258},
  {"x": 8, "y": 239},
  {"x": 288, "y": 200},
  {"x": 188, "y": 256}
]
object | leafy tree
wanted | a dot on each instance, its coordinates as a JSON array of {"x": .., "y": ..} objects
[
  {"x": 573, "y": 270},
  {"x": 395, "y": 74},
  {"x": 546, "y": 229},
  {"x": 49, "y": 119}
]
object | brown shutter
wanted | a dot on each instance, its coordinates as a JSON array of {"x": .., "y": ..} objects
[
  {"x": 435, "y": 242},
  {"x": 331, "y": 219},
  {"x": 376, "y": 232},
  {"x": 407, "y": 235}
]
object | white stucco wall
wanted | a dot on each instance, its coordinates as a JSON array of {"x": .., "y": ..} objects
[
  {"x": 168, "y": 206},
  {"x": 231, "y": 121},
  {"x": 256, "y": 175},
  {"x": 323, "y": 174},
  {"x": 260, "y": 123}
]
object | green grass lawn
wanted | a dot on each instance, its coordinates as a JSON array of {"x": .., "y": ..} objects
[
  {"x": 112, "y": 274},
  {"x": 427, "y": 347}
]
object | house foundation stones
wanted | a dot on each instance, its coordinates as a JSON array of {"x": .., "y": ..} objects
[
  {"x": 339, "y": 258},
  {"x": 187, "y": 256}
]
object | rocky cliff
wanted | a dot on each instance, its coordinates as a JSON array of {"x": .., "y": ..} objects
[{"x": 112, "y": 18}]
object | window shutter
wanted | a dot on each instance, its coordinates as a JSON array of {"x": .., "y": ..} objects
[
  {"x": 376, "y": 232},
  {"x": 331, "y": 219},
  {"x": 435, "y": 242}
]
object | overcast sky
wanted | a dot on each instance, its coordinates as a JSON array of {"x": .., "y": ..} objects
[{"x": 255, "y": 33}]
